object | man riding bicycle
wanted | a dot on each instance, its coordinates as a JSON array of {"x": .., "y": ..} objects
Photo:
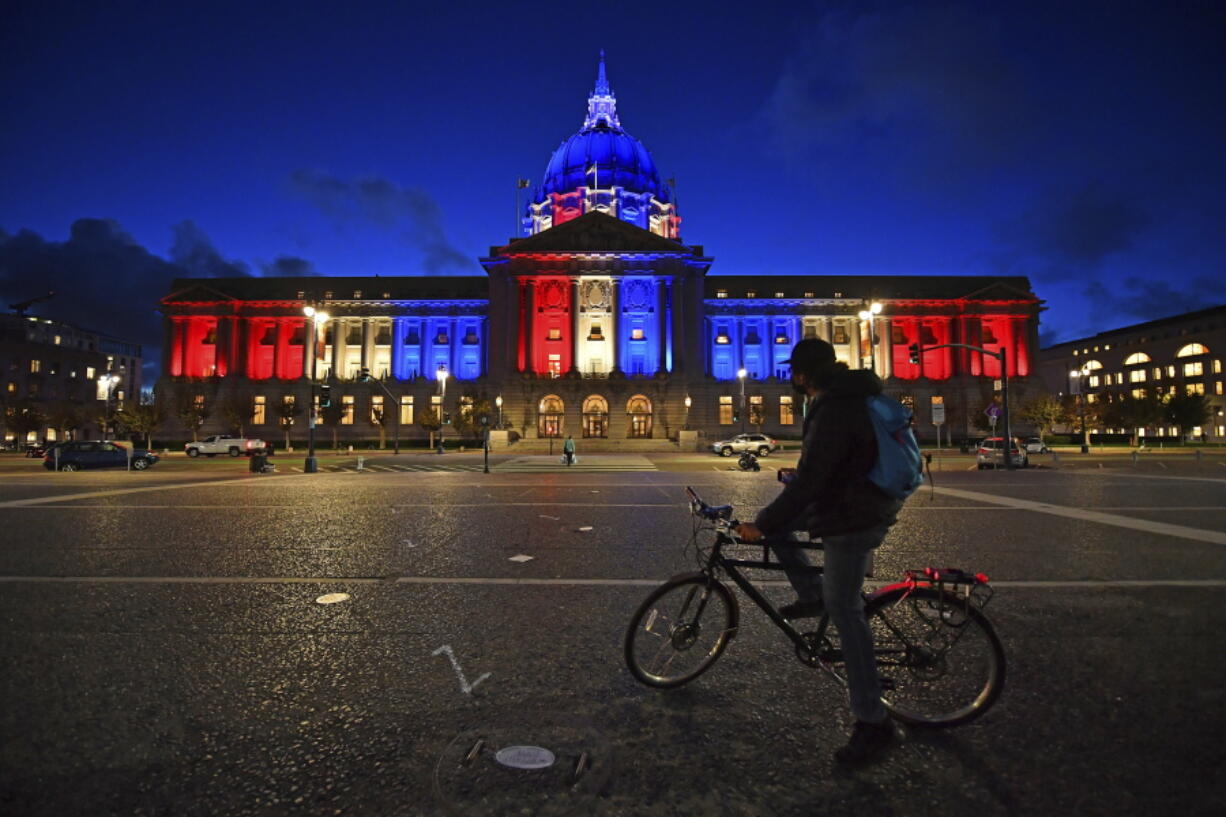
[{"x": 829, "y": 495}]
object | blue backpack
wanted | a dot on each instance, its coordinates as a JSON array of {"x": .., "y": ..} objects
[{"x": 898, "y": 471}]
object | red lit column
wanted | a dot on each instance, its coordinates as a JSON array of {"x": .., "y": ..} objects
[{"x": 574, "y": 323}]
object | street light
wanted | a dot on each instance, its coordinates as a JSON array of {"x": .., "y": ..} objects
[
  {"x": 868, "y": 315},
  {"x": 107, "y": 381},
  {"x": 741, "y": 373},
  {"x": 687, "y": 413},
  {"x": 317, "y": 318},
  {"x": 1078, "y": 376},
  {"x": 498, "y": 403},
  {"x": 442, "y": 403}
]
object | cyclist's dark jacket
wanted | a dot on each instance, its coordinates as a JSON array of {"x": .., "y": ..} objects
[{"x": 831, "y": 493}]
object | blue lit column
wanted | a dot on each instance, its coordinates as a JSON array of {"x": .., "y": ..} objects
[{"x": 661, "y": 326}]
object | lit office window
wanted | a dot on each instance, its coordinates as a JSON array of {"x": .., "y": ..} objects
[
  {"x": 406, "y": 409},
  {"x": 257, "y": 410},
  {"x": 347, "y": 406},
  {"x": 725, "y": 409},
  {"x": 786, "y": 418}
]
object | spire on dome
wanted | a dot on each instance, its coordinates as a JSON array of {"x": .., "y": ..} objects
[{"x": 601, "y": 105}]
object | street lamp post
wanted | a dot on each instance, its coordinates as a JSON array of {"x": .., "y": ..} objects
[
  {"x": 442, "y": 403},
  {"x": 687, "y": 413},
  {"x": 869, "y": 315},
  {"x": 316, "y": 318},
  {"x": 108, "y": 382},
  {"x": 1078, "y": 376},
  {"x": 498, "y": 403},
  {"x": 741, "y": 373}
]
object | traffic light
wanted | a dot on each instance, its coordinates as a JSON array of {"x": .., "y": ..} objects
[
  {"x": 446, "y": 418},
  {"x": 736, "y": 415},
  {"x": 915, "y": 352},
  {"x": 325, "y": 396},
  {"x": 363, "y": 375}
]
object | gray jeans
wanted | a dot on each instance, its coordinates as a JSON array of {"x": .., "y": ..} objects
[{"x": 846, "y": 561}]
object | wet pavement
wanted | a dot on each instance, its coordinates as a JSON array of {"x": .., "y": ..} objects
[{"x": 165, "y": 652}]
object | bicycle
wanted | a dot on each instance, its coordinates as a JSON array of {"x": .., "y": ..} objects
[{"x": 940, "y": 661}]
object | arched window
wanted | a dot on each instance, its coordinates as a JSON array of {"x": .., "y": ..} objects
[
  {"x": 1192, "y": 349},
  {"x": 595, "y": 416},
  {"x": 1137, "y": 358},
  {"x": 639, "y": 409},
  {"x": 1091, "y": 365},
  {"x": 550, "y": 415}
]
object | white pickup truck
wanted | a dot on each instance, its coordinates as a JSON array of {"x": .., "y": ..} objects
[{"x": 218, "y": 444}]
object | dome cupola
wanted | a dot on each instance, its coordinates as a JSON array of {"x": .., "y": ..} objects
[{"x": 602, "y": 168}]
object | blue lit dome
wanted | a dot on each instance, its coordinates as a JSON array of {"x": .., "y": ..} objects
[
  {"x": 602, "y": 156},
  {"x": 602, "y": 168}
]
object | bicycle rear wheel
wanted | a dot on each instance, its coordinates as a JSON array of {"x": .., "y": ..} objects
[
  {"x": 940, "y": 662},
  {"x": 680, "y": 630}
]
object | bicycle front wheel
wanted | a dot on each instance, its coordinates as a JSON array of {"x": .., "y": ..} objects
[
  {"x": 680, "y": 630},
  {"x": 940, "y": 662}
]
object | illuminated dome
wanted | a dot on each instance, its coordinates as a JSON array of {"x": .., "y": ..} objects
[{"x": 602, "y": 168}]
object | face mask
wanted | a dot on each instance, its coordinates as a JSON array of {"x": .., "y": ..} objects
[{"x": 798, "y": 386}]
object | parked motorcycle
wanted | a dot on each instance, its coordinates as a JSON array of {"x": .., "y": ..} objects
[{"x": 748, "y": 462}]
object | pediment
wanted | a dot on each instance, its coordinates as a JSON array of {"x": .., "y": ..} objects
[
  {"x": 1000, "y": 291},
  {"x": 594, "y": 232},
  {"x": 197, "y": 293}
]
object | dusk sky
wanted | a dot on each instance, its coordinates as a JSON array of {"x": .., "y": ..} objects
[{"x": 1077, "y": 143}]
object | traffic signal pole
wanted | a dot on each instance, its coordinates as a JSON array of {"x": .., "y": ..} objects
[{"x": 917, "y": 351}]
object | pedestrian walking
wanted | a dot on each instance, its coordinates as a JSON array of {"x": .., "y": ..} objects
[{"x": 568, "y": 450}]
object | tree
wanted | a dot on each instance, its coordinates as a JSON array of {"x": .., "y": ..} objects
[
  {"x": 331, "y": 416},
  {"x": 1129, "y": 412},
  {"x": 238, "y": 410},
  {"x": 1185, "y": 411},
  {"x": 23, "y": 417},
  {"x": 468, "y": 422},
  {"x": 141, "y": 419},
  {"x": 192, "y": 413},
  {"x": 1044, "y": 412},
  {"x": 379, "y": 418},
  {"x": 65, "y": 416},
  {"x": 429, "y": 421},
  {"x": 287, "y": 412},
  {"x": 757, "y": 415}
]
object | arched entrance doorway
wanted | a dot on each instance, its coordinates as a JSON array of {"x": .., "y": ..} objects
[
  {"x": 550, "y": 414},
  {"x": 639, "y": 409},
  {"x": 595, "y": 416}
]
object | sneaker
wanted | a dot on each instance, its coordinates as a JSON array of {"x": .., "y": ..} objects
[
  {"x": 802, "y": 609},
  {"x": 868, "y": 742}
]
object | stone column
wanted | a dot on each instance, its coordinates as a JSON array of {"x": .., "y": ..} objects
[
  {"x": 576, "y": 342},
  {"x": 662, "y": 325},
  {"x": 677, "y": 339},
  {"x": 853, "y": 359},
  {"x": 823, "y": 328},
  {"x": 340, "y": 346},
  {"x": 529, "y": 326},
  {"x": 367, "y": 358},
  {"x": 885, "y": 348},
  {"x": 615, "y": 330}
]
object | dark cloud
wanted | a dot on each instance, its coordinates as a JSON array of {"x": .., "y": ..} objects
[
  {"x": 104, "y": 280},
  {"x": 1132, "y": 299},
  {"x": 1085, "y": 225},
  {"x": 193, "y": 251},
  {"x": 409, "y": 212},
  {"x": 288, "y": 265}
]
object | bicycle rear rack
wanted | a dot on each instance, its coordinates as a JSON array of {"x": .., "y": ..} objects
[{"x": 970, "y": 589}]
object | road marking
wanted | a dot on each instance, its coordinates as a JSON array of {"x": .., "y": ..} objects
[
  {"x": 465, "y": 687},
  {"x": 39, "y": 500},
  {"x": 575, "y": 582},
  {"x": 1132, "y": 523},
  {"x": 1218, "y": 480}
]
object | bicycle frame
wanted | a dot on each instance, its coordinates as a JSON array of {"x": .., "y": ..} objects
[{"x": 732, "y": 567}]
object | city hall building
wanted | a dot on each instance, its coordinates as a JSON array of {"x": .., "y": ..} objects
[{"x": 599, "y": 322}]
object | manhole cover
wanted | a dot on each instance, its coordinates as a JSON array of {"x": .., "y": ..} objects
[
  {"x": 332, "y": 598},
  {"x": 542, "y": 770}
]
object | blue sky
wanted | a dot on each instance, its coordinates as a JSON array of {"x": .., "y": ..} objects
[{"x": 1077, "y": 143}]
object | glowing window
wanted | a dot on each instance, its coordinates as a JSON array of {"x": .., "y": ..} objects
[
  {"x": 1091, "y": 365},
  {"x": 809, "y": 295},
  {"x": 1136, "y": 358},
  {"x": 1094, "y": 381},
  {"x": 725, "y": 409},
  {"x": 1194, "y": 369},
  {"x": 347, "y": 410},
  {"x": 777, "y": 295},
  {"x": 839, "y": 334},
  {"x": 722, "y": 337},
  {"x": 1192, "y": 349},
  {"x": 257, "y": 410},
  {"x": 1196, "y": 388},
  {"x": 721, "y": 293},
  {"x": 555, "y": 334},
  {"x": 1136, "y": 376},
  {"x": 753, "y": 293},
  {"x": 786, "y": 417},
  {"x": 441, "y": 337},
  {"x": 357, "y": 294},
  {"x": 376, "y": 409},
  {"x": 406, "y": 409},
  {"x": 636, "y": 334},
  {"x": 594, "y": 333}
]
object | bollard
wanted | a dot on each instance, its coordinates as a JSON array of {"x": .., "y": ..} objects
[
  {"x": 1199, "y": 456},
  {"x": 351, "y": 449},
  {"x": 361, "y": 462},
  {"x": 1134, "y": 457}
]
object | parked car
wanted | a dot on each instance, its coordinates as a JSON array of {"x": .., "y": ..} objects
[
  {"x": 38, "y": 449},
  {"x": 990, "y": 454},
  {"x": 1035, "y": 445},
  {"x": 759, "y": 444},
  {"x": 221, "y": 444},
  {"x": 73, "y": 456}
]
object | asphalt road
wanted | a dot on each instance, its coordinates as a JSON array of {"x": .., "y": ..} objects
[{"x": 165, "y": 651}]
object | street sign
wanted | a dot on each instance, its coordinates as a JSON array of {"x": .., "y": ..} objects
[
  {"x": 938, "y": 414},
  {"x": 996, "y": 385},
  {"x": 993, "y": 410}
]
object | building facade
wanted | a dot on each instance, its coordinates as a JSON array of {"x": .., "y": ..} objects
[
  {"x": 1180, "y": 354},
  {"x": 48, "y": 363},
  {"x": 598, "y": 322}
]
